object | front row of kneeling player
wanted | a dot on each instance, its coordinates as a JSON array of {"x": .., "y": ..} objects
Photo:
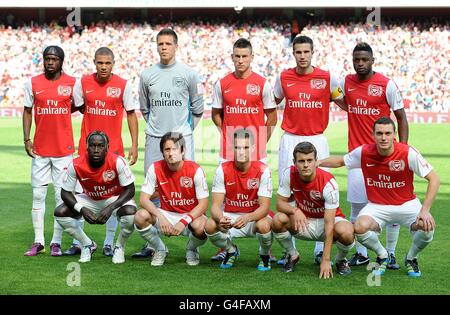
[{"x": 307, "y": 201}]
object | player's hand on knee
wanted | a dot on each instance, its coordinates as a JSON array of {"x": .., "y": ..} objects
[
  {"x": 225, "y": 223},
  {"x": 104, "y": 215},
  {"x": 425, "y": 221},
  {"x": 326, "y": 271},
  {"x": 241, "y": 222},
  {"x": 88, "y": 215},
  {"x": 177, "y": 229},
  {"x": 300, "y": 221},
  {"x": 166, "y": 227}
]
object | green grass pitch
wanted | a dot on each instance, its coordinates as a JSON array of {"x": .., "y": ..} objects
[{"x": 48, "y": 275}]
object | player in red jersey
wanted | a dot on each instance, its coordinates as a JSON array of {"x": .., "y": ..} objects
[
  {"x": 241, "y": 195},
  {"x": 50, "y": 95},
  {"x": 183, "y": 193},
  {"x": 104, "y": 96},
  {"x": 108, "y": 189},
  {"x": 316, "y": 215},
  {"x": 307, "y": 91},
  {"x": 243, "y": 99},
  {"x": 388, "y": 168},
  {"x": 368, "y": 96}
]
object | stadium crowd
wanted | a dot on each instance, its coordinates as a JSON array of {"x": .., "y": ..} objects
[{"x": 414, "y": 55}]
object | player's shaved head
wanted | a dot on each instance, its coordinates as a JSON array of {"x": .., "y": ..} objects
[
  {"x": 305, "y": 148},
  {"x": 383, "y": 121},
  {"x": 243, "y": 43},
  {"x": 302, "y": 39},
  {"x": 176, "y": 137},
  {"x": 104, "y": 51},
  {"x": 363, "y": 47},
  {"x": 169, "y": 32}
]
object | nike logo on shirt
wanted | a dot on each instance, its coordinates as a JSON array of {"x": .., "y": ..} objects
[
  {"x": 37, "y": 93},
  {"x": 369, "y": 165},
  {"x": 349, "y": 90},
  {"x": 162, "y": 183},
  {"x": 290, "y": 84},
  {"x": 226, "y": 91},
  {"x": 228, "y": 184},
  {"x": 90, "y": 91}
]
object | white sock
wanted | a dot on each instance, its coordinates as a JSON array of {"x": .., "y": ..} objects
[
  {"x": 371, "y": 241},
  {"x": 150, "y": 234},
  {"x": 81, "y": 225},
  {"x": 361, "y": 249},
  {"x": 126, "y": 228},
  {"x": 221, "y": 240},
  {"x": 355, "y": 210},
  {"x": 111, "y": 226},
  {"x": 194, "y": 242},
  {"x": 72, "y": 227},
  {"x": 318, "y": 248},
  {"x": 38, "y": 213},
  {"x": 265, "y": 242},
  {"x": 285, "y": 240},
  {"x": 420, "y": 240},
  {"x": 57, "y": 233},
  {"x": 342, "y": 250},
  {"x": 392, "y": 232}
]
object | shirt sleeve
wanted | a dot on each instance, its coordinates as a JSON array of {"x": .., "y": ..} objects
[
  {"x": 335, "y": 88},
  {"x": 418, "y": 164},
  {"x": 265, "y": 185},
  {"x": 143, "y": 96},
  {"x": 195, "y": 94},
  {"x": 126, "y": 177},
  {"x": 217, "y": 97},
  {"x": 218, "y": 181},
  {"x": 278, "y": 89},
  {"x": 342, "y": 85},
  {"x": 268, "y": 100},
  {"x": 353, "y": 159},
  {"x": 28, "y": 100},
  {"x": 331, "y": 194},
  {"x": 128, "y": 101},
  {"x": 201, "y": 185},
  {"x": 69, "y": 181},
  {"x": 149, "y": 185},
  {"x": 78, "y": 97},
  {"x": 285, "y": 184},
  {"x": 393, "y": 96}
]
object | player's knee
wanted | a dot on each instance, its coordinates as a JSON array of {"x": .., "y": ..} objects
[
  {"x": 361, "y": 226},
  {"x": 263, "y": 226},
  {"x": 126, "y": 210},
  {"x": 279, "y": 221},
  {"x": 142, "y": 219},
  {"x": 39, "y": 194},
  {"x": 198, "y": 226},
  {"x": 62, "y": 211},
  {"x": 211, "y": 226}
]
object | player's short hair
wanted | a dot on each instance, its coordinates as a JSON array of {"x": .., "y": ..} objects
[
  {"x": 302, "y": 39},
  {"x": 176, "y": 137},
  {"x": 243, "y": 43},
  {"x": 168, "y": 31},
  {"x": 54, "y": 50},
  {"x": 104, "y": 51},
  {"x": 98, "y": 133},
  {"x": 363, "y": 47},
  {"x": 244, "y": 133},
  {"x": 383, "y": 121},
  {"x": 305, "y": 148}
]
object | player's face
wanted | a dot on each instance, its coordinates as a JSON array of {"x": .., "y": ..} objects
[
  {"x": 166, "y": 49},
  {"x": 362, "y": 62},
  {"x": 242, "y": 58},
  {"x": 52, "y": 64},
  {"x": 303, "y": 54},
  {"x": 242, "y": 150},
  {"x": 306, "y": 164},
  {"x": 97, "y": 149},
  {"x": 384, "y": 137},
  {"x": 104, "y": 65},
  {"x": 172, "y": 152}
]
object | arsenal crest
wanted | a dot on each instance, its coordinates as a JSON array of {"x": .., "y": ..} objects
[
  {"x": 318, "y": 84},
  {"x": 186, "y": 182},
  {"x": 315, "y": 195},
  {"x": 64, "y": 90},
  {"x": 108, "y": 175},
  {"x": 178, "y": 82},
  {"x": 253, "y": 183},
  {"x": 374, "y": 90},
  {"x": 396, "y": 165},
  {"x": 253, "y": 89},
  {"x": 113, "y": 92}
]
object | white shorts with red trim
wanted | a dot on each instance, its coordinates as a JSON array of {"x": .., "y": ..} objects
[
  {"x": 45, "y": 170},
  {"x": 173, "y": 218},
  {"x": 247, "y": 231},
  {"x": 97, "y": 206},
  {"x": 315, "y": 230}
]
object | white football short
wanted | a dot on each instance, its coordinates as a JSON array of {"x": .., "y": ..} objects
[
  {"x": 247, "y": 231},
  {"x": 97, "y": 206},
  {"x": 173, "y": 218},
  {"x": 45, "y": 170},
  {"x": 289, "y": 141},
  {"x": 356, "y": 189},
  {"x": 315, "y": 230},
  {"x": 153, "y": 152},
  {"x": 404, "y": 214}
]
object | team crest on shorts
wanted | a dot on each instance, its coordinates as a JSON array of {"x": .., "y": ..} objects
[
  {"x": 396, "y": 165},
  {"x": 64, "y": 90},
  {"x": 374, "y": 90},
  {"x": 253, "y": 89},
  {"x": 186, "y": 182},
  {"x": 178, "y": 82},
  {"x": 315, "y": 195},
  {"x": 253, "y": 183},
  {"x": 113, "y": 92},
  {"x": 108, "y": 175},
  {"x": 318, "y": 84}
]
